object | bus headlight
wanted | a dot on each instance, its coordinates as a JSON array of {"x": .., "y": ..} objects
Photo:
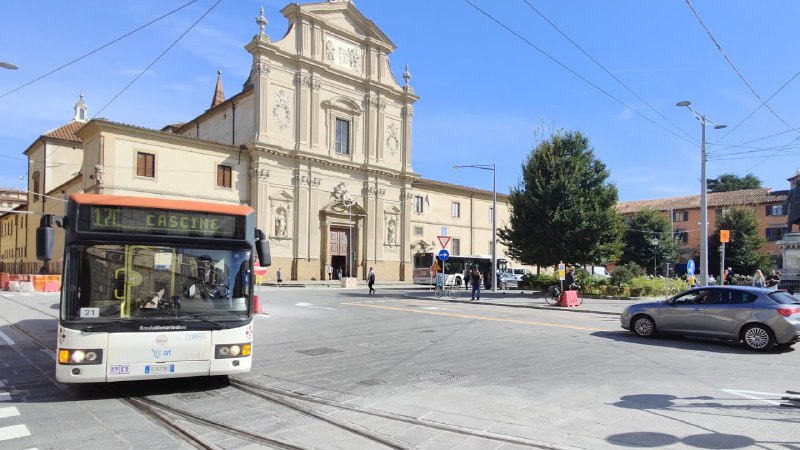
[
  {"x": 80, "y": 357},
  {"x": 232, "y": 350}
]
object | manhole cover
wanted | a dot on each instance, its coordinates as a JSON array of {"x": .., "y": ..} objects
[
  {"x": 371, "y": 382},
  {"x": 319, "y": 351},
  {"x": 439, "y": 376}
]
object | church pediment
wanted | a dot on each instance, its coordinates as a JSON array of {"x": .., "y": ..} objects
[
  {"x": 340, "y": 209},
  {"x": 342, "y": 16}
]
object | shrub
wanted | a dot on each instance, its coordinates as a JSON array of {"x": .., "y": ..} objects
[{"x": 624, "y": 274}]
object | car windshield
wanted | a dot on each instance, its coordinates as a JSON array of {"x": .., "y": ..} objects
[
  {"x": 130, "y": 282},
  {"x": 784, "y": 298}
]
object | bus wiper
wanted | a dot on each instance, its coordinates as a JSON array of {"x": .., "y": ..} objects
[
  {"x": 100, "y": 325},
  {"x": 204, "y": 317}
]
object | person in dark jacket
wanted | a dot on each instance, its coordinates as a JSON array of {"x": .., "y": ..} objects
[{"x": 371, "y": 280}]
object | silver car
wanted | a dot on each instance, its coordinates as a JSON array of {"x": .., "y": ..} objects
[{"x": 761, "y": 318}]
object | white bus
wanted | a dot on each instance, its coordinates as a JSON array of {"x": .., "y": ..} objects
[
  {"x": 153, "y": 288},
  {"x": 454, "y": 267}
]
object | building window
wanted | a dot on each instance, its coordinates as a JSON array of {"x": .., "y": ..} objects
[
  {"x": 680, "y": 216},
  {"x": 36, "y": 178},
  {"x": 224, "y": 176},
  {"x": 455, "y": 209},
  {"x": 681, "y": 235},
  {"x": 491, "y": 215},
  {"x": 145, "y": 165},
  {"x": 775, "y": 210},
  {"x": 720, "y": 212},
  {"x": 418, "y": 231},
  {"x": 419, "y": 203},
  {"x": 342, "y": 137},
  {"x": 775, "y": 233},
  {"x": 456, "y": 247}
]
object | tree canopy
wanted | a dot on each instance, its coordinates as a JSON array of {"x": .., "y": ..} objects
[
  {"x": 640, "y": 231},
  {"x": 731, "y": 182},
  {"x": 743, "y": 252},
  {"x": 563, "y": 207}
]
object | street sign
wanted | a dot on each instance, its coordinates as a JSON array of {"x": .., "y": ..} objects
[
  {"x": 435, "y": 266},
  {"x": 724, "y": 235},
  {"x": 444, "y": 254},
  {"x": 444, "y": 240},
  {"x": 562, "y": 272},
  {"x": 690, "y": 267}
]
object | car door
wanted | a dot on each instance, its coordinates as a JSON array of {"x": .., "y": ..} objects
[
  {"x": 684, "y": 313},
  {"x": 728, "y": 310}
]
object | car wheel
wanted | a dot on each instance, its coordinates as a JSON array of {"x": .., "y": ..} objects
[
  {"x": 758, "y": 338},
  {"x": 643, "y": 326},
  {"x": 504, "y": 285}
]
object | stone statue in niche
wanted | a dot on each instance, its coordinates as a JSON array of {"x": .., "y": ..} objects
[
  {"x": 391, "y": 238},
  {"x": 280, "y": 223},
  {"x": 98, "y": 174}
]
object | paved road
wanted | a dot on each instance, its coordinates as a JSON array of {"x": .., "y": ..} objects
[{"x": 427, "y": 374}]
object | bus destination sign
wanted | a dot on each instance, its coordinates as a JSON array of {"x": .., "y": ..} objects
[{"x": 117, "y": 219}]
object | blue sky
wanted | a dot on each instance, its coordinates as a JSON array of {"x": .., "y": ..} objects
[{"x": 486, "y": 95}]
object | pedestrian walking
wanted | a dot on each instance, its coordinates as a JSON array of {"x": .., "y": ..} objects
[
  {"x": 773, "y": 280},
  {"x": 280, "y": 276},
  {"x": 339, "y": 273},
  {"x": 330, "y": 272},
  {"x": 371, "y": 280},
  {"x": 475, "y": 279}
]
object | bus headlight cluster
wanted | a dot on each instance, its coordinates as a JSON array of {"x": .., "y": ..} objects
[
  {"x": 80, "y": 357},
  {"x": 232, "y": 350}
]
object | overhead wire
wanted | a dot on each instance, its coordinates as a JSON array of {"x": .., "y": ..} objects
[
  {"x": 570, "y": 70},
  {"x": 606, "y": 70},
  {"x": 733, "y": 66},
  {"x": 98, "y": 48},
  {"x": 158, "y": 58}
]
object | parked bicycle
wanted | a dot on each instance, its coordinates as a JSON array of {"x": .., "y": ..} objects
[
  {"x": 554, "y": 292},
  {"x": 448, "y": 291}
]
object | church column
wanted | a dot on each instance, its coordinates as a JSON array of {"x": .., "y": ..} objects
[
  {"x": 404, "y": 229},
  {"x": 259, "y": 177}
]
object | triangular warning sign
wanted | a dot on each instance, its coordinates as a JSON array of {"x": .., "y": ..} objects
[
  {"x": 444, "y": 240},
  {"x": 435, "y": 267}
]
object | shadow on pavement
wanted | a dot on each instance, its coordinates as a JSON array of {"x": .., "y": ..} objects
[{"x": 687, "y": 343}]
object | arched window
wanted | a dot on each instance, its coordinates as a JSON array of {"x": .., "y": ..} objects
[{"x": 36, "y": 191}]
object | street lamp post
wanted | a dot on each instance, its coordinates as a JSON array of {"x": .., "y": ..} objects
[
  {"x": 493, "y": 168},
  {"x": 7, "y": 65},
  {"x": 654, "y": 241},
  {"x": 348, "y": 201},
  {"x": 703, "y": 191}
]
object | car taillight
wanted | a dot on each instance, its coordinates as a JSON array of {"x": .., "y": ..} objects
[{"x": 786, "y": 312}]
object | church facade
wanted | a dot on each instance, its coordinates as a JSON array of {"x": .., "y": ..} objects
[{"x": 318, "y": 142}]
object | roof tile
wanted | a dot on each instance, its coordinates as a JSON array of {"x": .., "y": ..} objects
[{"x": 714, "y": 200}]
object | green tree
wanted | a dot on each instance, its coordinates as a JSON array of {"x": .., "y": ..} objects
[
  {"x": 743, "y": 252},
  {"x": 563, "y": 207},
  {"x": 640, "y": 231},
  {"x": 730, "y": 182}
]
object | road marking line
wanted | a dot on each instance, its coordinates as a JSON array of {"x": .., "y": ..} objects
[
  {"x": 754, "y": 395},
  {"x": 8, "y": 412},
  {"x": 309, "y": 305},
  {"x": 5, "y": 337},
  {"x": 470, "y": 316},
  {"x": 5, "y": 396},
  {"x": 13, "y": 432}
]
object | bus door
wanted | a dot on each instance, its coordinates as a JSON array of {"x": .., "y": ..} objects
[{"x": 147, "y": 279}]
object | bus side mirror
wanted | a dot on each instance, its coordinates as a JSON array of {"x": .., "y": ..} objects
[
  {"x": 262, "y": 249},
  {"x": 45, "y": 236}
]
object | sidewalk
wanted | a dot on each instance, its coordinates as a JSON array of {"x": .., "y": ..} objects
[{"x": 536, "y": 300}]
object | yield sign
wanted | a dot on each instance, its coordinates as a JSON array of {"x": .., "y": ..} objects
[{"x": 444, "y": 240}]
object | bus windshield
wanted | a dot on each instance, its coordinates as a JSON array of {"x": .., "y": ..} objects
[{"x": 134, "y": 282}]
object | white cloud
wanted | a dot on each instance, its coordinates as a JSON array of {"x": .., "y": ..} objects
[{"x": 625, "y": 114}]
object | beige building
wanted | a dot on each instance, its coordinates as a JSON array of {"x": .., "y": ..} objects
[{"x": 318, "y": 142}]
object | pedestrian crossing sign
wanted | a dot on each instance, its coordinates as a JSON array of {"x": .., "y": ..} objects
[{"x": 435, "y": 266}]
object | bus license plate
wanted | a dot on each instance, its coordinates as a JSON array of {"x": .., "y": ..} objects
[{"x": 159, "y": 368}]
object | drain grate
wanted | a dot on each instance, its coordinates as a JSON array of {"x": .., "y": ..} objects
[
  {"x": 439, "y": 376},
  {"x": 319, "y": 351},
  {"x": 371, "y": 382}
]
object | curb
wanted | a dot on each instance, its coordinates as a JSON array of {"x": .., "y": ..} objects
[{"x": 511, "y": 305}]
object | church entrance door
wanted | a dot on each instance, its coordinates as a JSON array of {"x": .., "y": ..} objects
[{"x": 339, "y": 249}]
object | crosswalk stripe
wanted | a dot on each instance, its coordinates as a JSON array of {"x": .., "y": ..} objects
[
  {"x": 13, "y": 432},
  {"x": 8, "y": 412}
]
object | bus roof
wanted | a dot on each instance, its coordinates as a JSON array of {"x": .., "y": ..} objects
[{"x": 159, "y": 203}]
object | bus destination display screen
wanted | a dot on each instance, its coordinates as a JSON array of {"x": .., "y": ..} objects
[{"x": 117, "y": 219}]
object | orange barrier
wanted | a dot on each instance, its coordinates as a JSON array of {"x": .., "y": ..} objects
[
  {"x": 4, "y": 280},
  {"x": 40, "y": 283},
  {"x": 257, "y": 308},
  {"x": 569, "y": 298}
]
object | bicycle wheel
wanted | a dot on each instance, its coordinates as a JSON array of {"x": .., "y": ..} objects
[
  {"x": 553, "y": 296},
  {"x": 453, "y": 292},
  {"x": 439, "y": 292},
  {"x": 580, "y": 300}
]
